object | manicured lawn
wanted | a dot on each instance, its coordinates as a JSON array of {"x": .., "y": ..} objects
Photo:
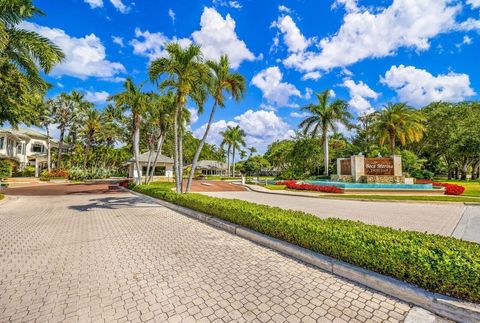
[
  {"x": 166, "y": 186},
  {"x": 275, "y": 187},
  {"x": 440, "y": 198},
  {"x": 439, "y": 264}
]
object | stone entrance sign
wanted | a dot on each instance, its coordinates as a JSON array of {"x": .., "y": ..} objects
[
  {"x": 370, "y": 170},
  {"x": 379, "y": 166}
]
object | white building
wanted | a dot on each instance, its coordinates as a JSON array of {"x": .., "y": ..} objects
[
  {"x": 163, "y": 167},
  {"x": 25, "y": 147}
]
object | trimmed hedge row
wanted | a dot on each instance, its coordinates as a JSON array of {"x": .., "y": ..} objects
[{"x": 436, "y": 263}]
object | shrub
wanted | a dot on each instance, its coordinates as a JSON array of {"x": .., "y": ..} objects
[
  {"x": 312, "y": 187},
  {"x": 5, "y": 169},
  {"x": 439, "y": 264},
  {"x": 28, "y": 171},
  {"x": 451, "y": 189},
  {"x": 57, "y": 173},
  {"x": 80, "y": 174}
]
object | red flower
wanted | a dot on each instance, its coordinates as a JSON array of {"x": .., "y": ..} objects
[
  {"x": 311, "y": 187},
  {"x": 451, "y": 189}
]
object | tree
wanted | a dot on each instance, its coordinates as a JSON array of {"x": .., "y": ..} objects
[
  {"x": 325, "y": 117},
  {"x": 222, "y": 81},
  {"x": 186, "y": 74},
  {"x": 254, "y": 165},
  {"x": 90, "y": 127},
  {"x": 23, "y": 55},
  {"x": 234, "y": 138},
  {"x": 65, "y": 110},
  {"x": 46, "y": 120},
  {"x": 135, "y": 101},
  {"x": 252, "y": 151},
  {"x": 398, "y": 121}
]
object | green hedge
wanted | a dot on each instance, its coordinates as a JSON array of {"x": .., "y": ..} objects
[{"x": 436, "y": 263}]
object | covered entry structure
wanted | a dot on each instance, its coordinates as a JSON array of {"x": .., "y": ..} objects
[{"x": 163, "y": 167}]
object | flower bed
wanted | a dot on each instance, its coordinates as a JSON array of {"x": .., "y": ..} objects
[
  {"x": 293, "y": 185},
  {"x": 450, "y": 189},
  {"x": 436, "y": 263}
]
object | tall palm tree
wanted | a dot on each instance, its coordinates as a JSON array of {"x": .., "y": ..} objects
[
  {"x": 47, "y": 119},
  {"x": 398, "y": 121},
  {"x": 28, "y": 50},
  {"x": 325, "y": 117},
  {"x": 90, "y": 127},
  {"x": 252, "y": 150},
  {"x": 65, "y": 110},
  {"x": 222, "y": 82},
  {"x": 234, "y": 138},
  {"x": 227, "y": 141},
  {"x": 184, "y": 72},
  {"x": 135, "y": 101}
]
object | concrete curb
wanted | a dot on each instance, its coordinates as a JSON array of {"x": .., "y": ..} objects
[{"x": 451, "y": 308}]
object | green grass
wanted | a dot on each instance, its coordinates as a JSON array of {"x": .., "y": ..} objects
[
  {"x": 440, "y": 264},
  {"x": 275, "y": 187},
  {"x": 437, "y": 198},
  {"x": 1, "y": 196},
  {"x": 165, "y": 186}
]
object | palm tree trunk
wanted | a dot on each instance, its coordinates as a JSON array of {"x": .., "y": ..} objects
[
  {"x": 180, "y": 149},
  {"x": 392, "y": 142},
  {"x": 149, "y": 162},
  {"x": 199, "y": 149},
  {"x": 136, "y": 147},
  {"x": 159, "y": 151},
  {"x": 60, "y": 146},
  {"x": 233, "y": 162},
  {"x": 228, "y": 160},
  {"x": 326, "y": 160},
  {"x": 176, "y": 155},
  {"x": 49, "y": 154}
]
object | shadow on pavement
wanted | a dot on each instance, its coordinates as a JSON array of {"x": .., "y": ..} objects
[{"x": 113, "y": 203}]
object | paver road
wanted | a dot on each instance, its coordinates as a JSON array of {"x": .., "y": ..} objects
[
  {"x": 116, "y": 257},
  {"x": 424, "y": 217}
]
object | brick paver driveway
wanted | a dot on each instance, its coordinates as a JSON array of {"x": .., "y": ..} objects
[{"x": 115, "y": 257}]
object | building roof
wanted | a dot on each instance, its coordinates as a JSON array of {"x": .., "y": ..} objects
[
  {"x": 143, "y": 158},
  {"x": 211, "y": 164},
  {"x": 26, "y": 133}
]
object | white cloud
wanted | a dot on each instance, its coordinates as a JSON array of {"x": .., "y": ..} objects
[
  {"x": 350, "y": 5},
  {"x": 152, "y": 45},
  {"x": 276, "y": 92},
  {"x": 118, "y": 40},
  {"x": 359, "y": 95},
  {"x": 193, "y": 115},
  {"x": 308, "y": 93},
  {"x": 311, "y": 76},
  {"x": 85, "y": 57},
  {"x": 372, "y": 33},
  {"x": 120, "y": 6},
  {"x": 217, "y": 36},
  {"x": 231, "y": 4},
  {"x": 172, "y": 15},
  {"x": 418, "y": 87},
  {"x": 94, "y": 3},
  {"x": 283, "y": 8},
  {"x": 292, "y": 36},
  {"x": 474, "y": 3},
  {"x": 299, "y": 115},
  {"x": 261, "y": 128},
  {"x": 96, "y": 97}
]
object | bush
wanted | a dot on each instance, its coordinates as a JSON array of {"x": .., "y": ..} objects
[
  {"x": 80, "y": 174},
  {"x": 28, "y": 171},
  {"x": 439, "y": 264},
  {"x": 57, "y": 173},
  {"x": 5, "y": 169},
  {"x": 451, "y": 189},
  {"x": 293, "y": 185}
]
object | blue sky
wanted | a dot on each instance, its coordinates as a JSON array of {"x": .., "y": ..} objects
[{"x": 367, "y": 52}]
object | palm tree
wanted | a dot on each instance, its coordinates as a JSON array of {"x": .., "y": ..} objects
[
  {"x": 134, "y": 100},
  {"x": 222, "y": 81},
  {"x": 252, "y": 151},
  {"x": 23, "y": 55},
  {"x": 325, "y": 117},
  {"x": 398, "y": 121},
  {"x": 65, "y": 110},
  {"x": 90, "y": 127},
  {"x": 186, "y": 74},
  {"x": 47, "y": 119},
  {"x": 234, "y": 138}
]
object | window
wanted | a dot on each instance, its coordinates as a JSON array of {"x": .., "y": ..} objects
[
  {"x": 20, "y": 149},
  {"x": 2, "y": 140},
  {"x": 159, "y": 171},
  {"x": 38, "y": 148}
]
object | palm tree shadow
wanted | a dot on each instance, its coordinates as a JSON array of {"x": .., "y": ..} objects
[{"x": 113, "y": 203}]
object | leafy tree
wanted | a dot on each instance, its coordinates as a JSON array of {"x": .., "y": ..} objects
[
  {"x": 325, "y": 117},
  {"x": 398, "y": 122},
  {"x": 90, "y": 128},
  {"x": 222, "y": 81},
  {"x": 254, "y": 165},
  {"x": 252, "y": 151},
  {"x": 186, "y": 74},
  {"x": 234, "y": 138},
  {"x": 23, "y": 56},
  {"x": 135, "y": 101}
]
